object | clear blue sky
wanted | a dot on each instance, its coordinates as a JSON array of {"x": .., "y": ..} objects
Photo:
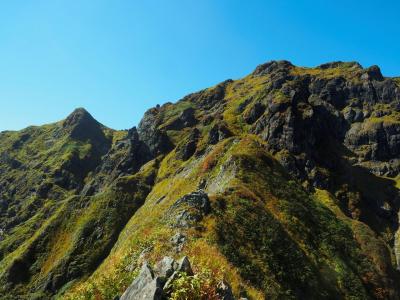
[{"x": 118, "y": 58}]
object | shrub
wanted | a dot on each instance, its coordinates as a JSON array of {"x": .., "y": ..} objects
[{"x": 198, "y": 287}]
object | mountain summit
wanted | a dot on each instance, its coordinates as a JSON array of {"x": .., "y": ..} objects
[{"x": 281, "y": 185}]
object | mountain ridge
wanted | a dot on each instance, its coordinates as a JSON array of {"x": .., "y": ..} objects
[{"x": 305, "y": 159}]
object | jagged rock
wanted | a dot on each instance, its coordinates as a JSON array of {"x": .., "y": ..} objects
[
  {"x": 349, "y": 115},
  {"x": 224, "y": 291},
  {"x": 272, "y": 66},
  {"x": 189, "y": 210},
  {"x": 379, "y": 141},
  {"x": 373, "y": 73},
  {"x": 336, "y": 64},
  {"x": 254, "y": 113},
  {"x": 82, "y": 126},
  {"x": 185, "y": 119},
  {"x": 217, "y": 133},
  {"x": 166, "y": 267},
  {"x": 125, "y": 158},
  {"x": 212, "y": 99},
  {"x": 170, "y": 281},
  {"x": 185, "y": 266},
  {"x": 13, "y": 163},
  {"x": 153, "y": 284},
  {"x": 178, "y": 240},
  {"x": 145, "y": 286},
  {"x": 155, "y": 139}
]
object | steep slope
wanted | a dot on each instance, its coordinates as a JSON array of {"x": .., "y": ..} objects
[{"x": 297, "y": 170}]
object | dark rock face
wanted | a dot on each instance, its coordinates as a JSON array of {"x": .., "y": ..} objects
[
  {"x": 125, "y": 158},
  {"x": 185, "y": 119},
  {"x": 185, "y": 151},
  {"x": 11, "y": 162},
  {"x": 379, "y": 141},
  {"x": 254, "y": 113},
  {"x": 315, "y": 115},
  {"x": 155, "y": 139},
  {"x": 373, "y": 73},
  {"x": 185, "y": 266},
  {"x": 82, "y": 126},
  {"x": 217, "y": 133}
]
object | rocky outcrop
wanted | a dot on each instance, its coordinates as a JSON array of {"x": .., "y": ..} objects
[
  {"x": 188, "y": 147},
  {"x": 374, "y": 140},
  {"x": 189, "y": 210},
  {"x": 155, "y": 284},
  {"x": 178, "y": 240},
  {"x": 185, "y": 119},
  {"x": 82, "y": 126},
  {"x": 217, "y": 133},
  {"x": 146, "y": 286},
  {"x": 272, "y": 67},
  {"x": 155, "y": 139},
  {"x": 124, "y": 158},
  {"x": 224, "y": 291},
  {"x": 309, "y": 116}
]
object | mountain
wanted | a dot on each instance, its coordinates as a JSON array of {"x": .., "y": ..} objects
[{"x": 281, "y": 185}]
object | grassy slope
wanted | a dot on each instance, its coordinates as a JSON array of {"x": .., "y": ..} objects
[
  {"x": 264, "y": 230},
  {"x": 61, "y": 231}
]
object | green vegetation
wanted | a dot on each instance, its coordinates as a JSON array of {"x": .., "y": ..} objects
[{"x": 349, "y": 70}]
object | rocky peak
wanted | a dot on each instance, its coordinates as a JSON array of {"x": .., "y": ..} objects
[
  {"x": 133, "y": 134},
  {"x": 272, "y": 66},
  {"x": 78, "y": 116},
  {"x": 336, "y": 64},
  {"x": 373, "y": 73},
  {"x": 80, "y": 125}
]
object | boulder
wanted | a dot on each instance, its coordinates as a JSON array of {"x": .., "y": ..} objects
[
  {"x": 145, "y": 286},
  {"x": 189, "y": 210}
]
